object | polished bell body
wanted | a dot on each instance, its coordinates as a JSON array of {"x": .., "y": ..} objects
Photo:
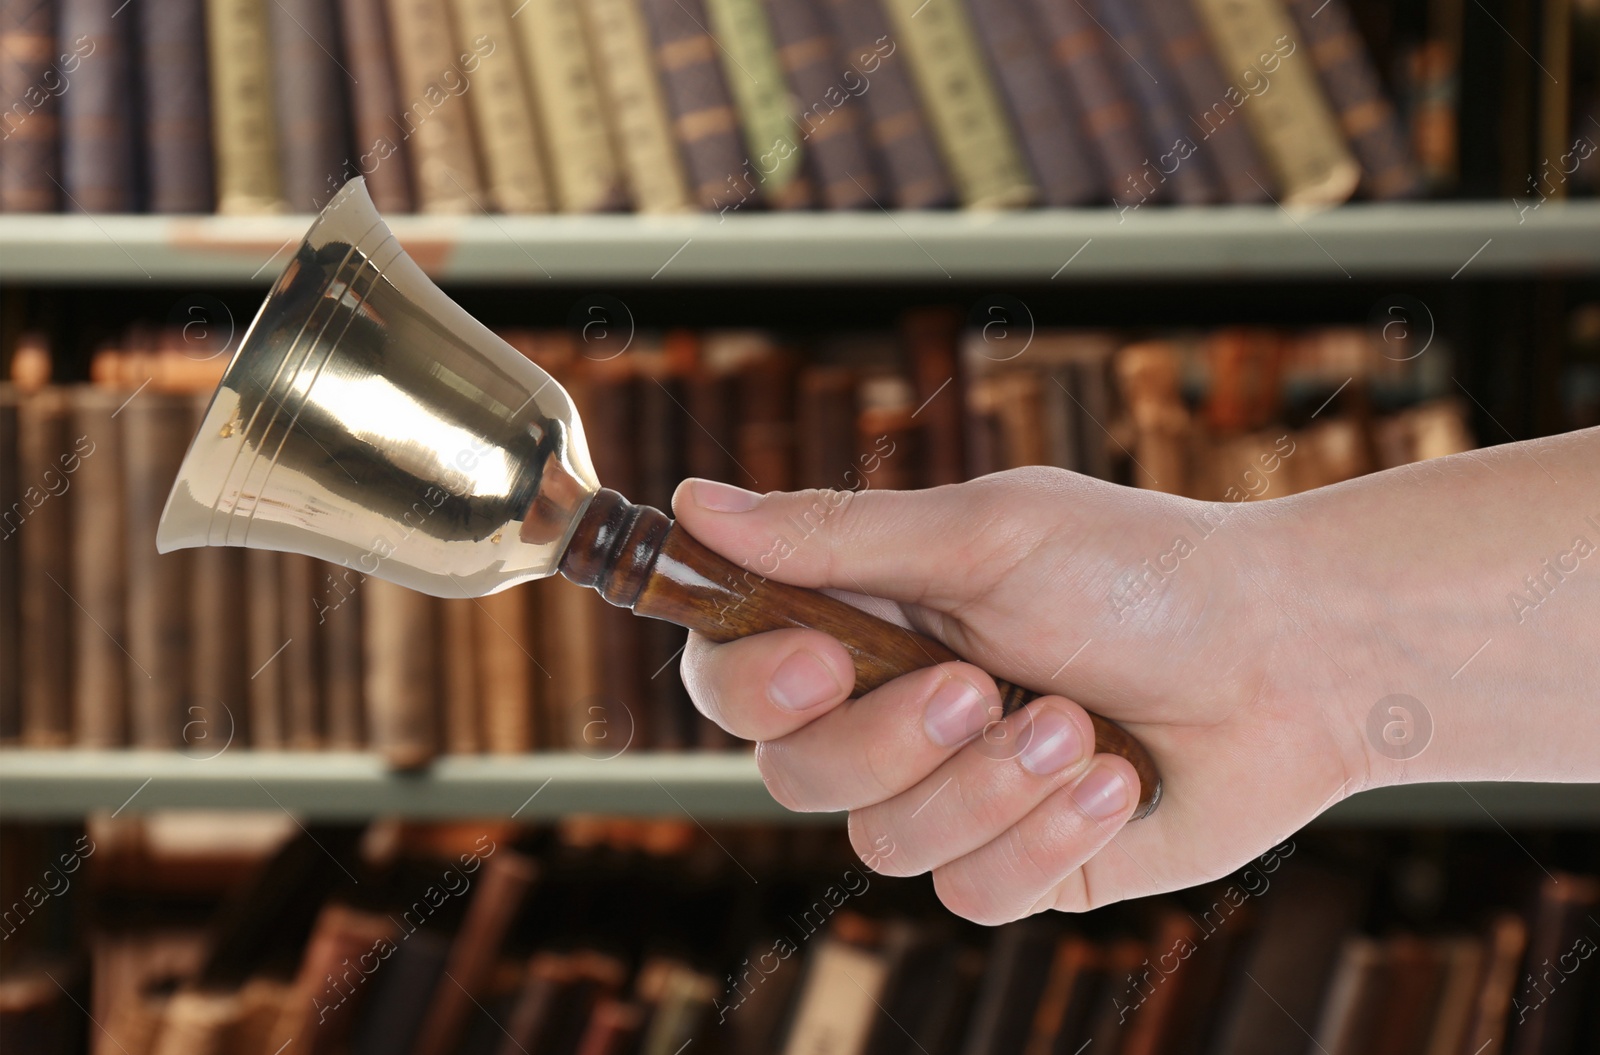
[{"x": 367, "y": 420}]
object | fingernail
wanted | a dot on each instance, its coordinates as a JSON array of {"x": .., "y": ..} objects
[
  {"x": 954, "y": 713},
  {"x": 801, "y": 682},
  {"x": 1102, "y": 793},
  {"x": 1053, "y": 743},
  {"x": 723, "y": 498}
]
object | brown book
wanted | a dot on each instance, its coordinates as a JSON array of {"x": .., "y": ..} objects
[
  {"x": 661, "y": 427},
  {"x": 838, "y": 998},
  {"x": 1069, "y": 989},
  {"x": 1147, "y": 379},
  {"x": 1050, "y": 127},
  {"x": 1275, "y": 84},
  {"x": 765, "y": 440},
  {"x": 929, "y": 336},
  {"x": 1462, "y": 960},
  {"x": 981, "y": 426},
  {"x": 1506, "y": 942},
  {"x": 380, "y": 146},
  {"x": 831, "y": 126},
  {"x": 568, "y": 621},
  {"x": 614, "y": 1028},
  {"x": 502, "y": 110},
  {"x": 1302, "y": 927},
  {"x": 507, "y": 672},
  {"x": 683, "y": 1011},
  {"x": 1156, "y": 1021},
  {"x": 560, "y": 995},
  {"x": 156, "y": 428},
  {"x": 198, "y": 1022},
  {"x": 32, "y": 82},
  {"x": 1212, "y": 122},
  {"x": 97, "y": 128},
  {"x": 130, "y": 974},
  {"x": 244, "y": 120},
  {"x": 401, "y": 678},
  {"x": 703, "y": 118},
  {"x": 1550, "y": 1002},
  {"x": 310, "y": 86},
  {"x": 888, "y": 455},
  {"x": 503, "y": 882},
  {"x": 98, "y": 633},
  {"x": 1081, "y": 49},
  {"x": 339, "y": 647},
  {"x": 1019, "y": 962},
  {"x": 264, "y": 645},
  {"x": 825, "y": 414},
  {"x": 1353, "y": 1009},
  {"x": 755, "y": 1018},
  {"x": 1108, "y": 1016},
  {"x": 175, "y": 105},
  {"x": 1367, "y": 117},
  {"x": 1406, "y": 1011},
  {"x": 46, "y": 451},
  {"x": 635, "y": 106},
  {"x": 435, "y": 119},
  {"x": 13, "y": 514},
  {"x": 914, "y": 174},
  {"x": 460, "y": 699},
  {"x": 1019, "y": 394},
  {"x": 302, "y": 671},
  {"x": 346, "y": 947},
  {"x": 262, "y": 1002},
  {"x": 402, "y": 992},
  {"x": 583, "y": 166},
  {"x": 214, "y": 713}
]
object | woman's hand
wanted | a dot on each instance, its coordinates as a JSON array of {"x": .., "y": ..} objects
[{"x": 1249, "y": 646}]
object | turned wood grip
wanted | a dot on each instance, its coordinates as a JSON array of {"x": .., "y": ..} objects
[{"x": 638, "y": 558}]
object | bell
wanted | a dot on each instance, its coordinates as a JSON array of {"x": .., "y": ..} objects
[{"x": 367, "y": 420}]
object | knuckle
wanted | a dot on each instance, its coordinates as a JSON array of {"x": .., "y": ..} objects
[
  {"x": 877, "y": 847},
  {"x": 961, "y": 892},
  {"x": 775, "y": 768}
]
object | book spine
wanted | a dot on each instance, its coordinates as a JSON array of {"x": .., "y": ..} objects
[
  {"x": 460, "y": 696},
  {"x": 310, "y": 99},
  {"x": 831, "y": 117},
  {"x": 13, "y": 514},
  {"x": 302, "y": 678},
  {"x": 703, "y": 119},
  {"x": 339, "y": 647},
  {"x": 434, "y": 120},
  {"x": 156, "y": 428},
  {"x": 1272, "y": 78},
  {"x": 930, "y": 336},
  {"x": 765, "y": 440},
  {"x": 661, "y": 428},
  {"x": 33, "y": 77},
  {"x": 264, "y": 645},
  {"x": 244, "y": 126},
  {"x": 582, "y": 164},
  {"x": 888, "y": 456},
  {"x": 502, "y": 110},
  {"x": 99, "y": 666},
  {"x": 907, "y": 154},
  {"x": 1367, "y": 117},
  {"x": 825, "y": 413},
  {"x": 1174, "y": 156},
  {"x": 506, "y": 879},
  {"x": 219, "y": 675},
  {"x": 97, "y": 130},
  {"x": 45, "y": 450},
  {"x": 401, "y": 678},
  {"x": 1049, "y": 128},
  {"x": 762, "y": 97},
  {"x": 177, "y": 107},
  {"x": 636, "y": 106},
  {"x": 1079, "y": 48},
  {"x": 504, "y": 635},
  {"x": 1222, "y": 134},
  {"x": 380, "y": 143},
  {"x": 966, "y": 112}
]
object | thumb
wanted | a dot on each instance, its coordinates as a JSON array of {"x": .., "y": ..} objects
[{"x": 922, "y": 547}]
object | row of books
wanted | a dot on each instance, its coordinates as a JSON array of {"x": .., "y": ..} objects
[
  {"x": 461, "y": 106},
  {"x": 653, "y": 938},
  {"x": 105, "y": 643}
]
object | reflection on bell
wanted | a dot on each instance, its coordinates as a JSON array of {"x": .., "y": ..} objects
[{"x": 367, "y": 420}]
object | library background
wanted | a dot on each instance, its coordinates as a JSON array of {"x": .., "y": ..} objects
[{"x": 250, "y": 803}]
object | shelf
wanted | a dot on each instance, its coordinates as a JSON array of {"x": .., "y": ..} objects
[
  {"x": 1369, "y": 241},
  {"x": 62, "y": 785}
]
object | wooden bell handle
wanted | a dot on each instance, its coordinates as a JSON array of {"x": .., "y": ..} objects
[{"x": 638, "y": 558}]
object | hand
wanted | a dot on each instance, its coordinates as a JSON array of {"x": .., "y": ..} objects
[{"x": 1250, "y": 647}]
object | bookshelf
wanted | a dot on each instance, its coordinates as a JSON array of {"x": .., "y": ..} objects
[
  {"x": 1432, "y": 241},
  {"x": 40, "y": 785}
]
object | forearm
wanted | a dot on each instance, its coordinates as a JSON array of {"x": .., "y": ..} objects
[{"x": 1470, "y": 585}]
